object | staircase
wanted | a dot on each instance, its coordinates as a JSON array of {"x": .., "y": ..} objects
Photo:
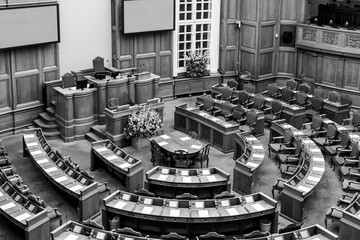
[
  {"x": 46, "y": 122},
  {"x": 97, "y": 133}
]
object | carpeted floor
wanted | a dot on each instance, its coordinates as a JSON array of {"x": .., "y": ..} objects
[{"x": 326, "y": 194}]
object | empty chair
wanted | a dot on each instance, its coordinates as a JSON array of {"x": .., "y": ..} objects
[
  {"x": 275, "y": 111},
  {"x": 243, "y": 98},
  {"x": 226, "y": 93},
  {"x": 350, "y": 186},
  {"x": 293, "y": 158},
  {"x": 288, "y": 170},
  {"x": 155, "y": 152},
  {"x": 333, "y": 96},
  {"x": 251, "y": 118},
  {"x": 239, "y": 115},
  {"x": 347, "y": 159},
  {"x": 334, "y": 213},
  {"x": 301, "y": 99},
  {"x": 273, "y": 91},
  {"x": 211, "y": 236},
  {"x": 316, "y": 126},
  {"x": 187, "y": 196},
  {"x": 203, "y": 156},
  {"x": 68, "y": 80},
  {"x": 318, "y": 92},
  {"x": 249, "y": 88},
  {"x": 181, "y": 159},
  {"x": 193, "y": 135},
  {"x": 287, "y": 95},
  {"x": 330, "y": 138},
  {"x": 173, "y": 236},
  {"x": 304, "y": 87},
  {"x": 282, "y": 144},
  {"x": 315, "y": 107},
  {"x": 355, "y": 121},
  {"x": 232, "y": 83},
  {"x": 342, "y": 145},
  {"x": 208, "y": 104},
  {"x": 346, "y": 100},
  {"x": 258, "y": 102},
  {"x": 292, "y": 84},
  {"x": 226, "y": 110},
  {"x": 224, "y": 194}
]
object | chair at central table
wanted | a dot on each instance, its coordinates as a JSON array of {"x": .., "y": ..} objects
[{"x": 181, "y": 159}]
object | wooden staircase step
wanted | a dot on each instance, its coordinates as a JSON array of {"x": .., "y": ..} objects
[
  {"x": 50, "y": 111},
  {"x": 47, "y": 118},
  {"x": 92, "y": 137},
  {"x": 99, "y": 130},
  {"x": 46, "y": 127},
  {"x": 52, "y": 135}
]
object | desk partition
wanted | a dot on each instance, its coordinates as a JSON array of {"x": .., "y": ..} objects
[
  {"x": 169, "y": 182},
  {"x": 156, "y": 216},
  {"x": 314, "y": 232},
  {"x": 248, "y": 155},
  {"x": 350, "y": 221}
]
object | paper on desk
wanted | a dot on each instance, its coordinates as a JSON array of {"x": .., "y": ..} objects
[
  {"x": 206, "y": 172},
  {"x": 304, "y": 189},
  {"x": 148, "y": 201},
  {"x": 196, "y": 146},
  {"x": 318, "y": 159},
  {"x": 102, "y": 149},
  {"x": 29, "y": 135},
  {"x": 185, "y": 138},
  {"x": 258, "y": 207},
  {"x": 319, "y": 169},
  {"x": 211, "y": 178},
  {"x": 199, "y": 204},
  {"x": 120, "y": 205},
  {"x": 36, "y": 152},
  {"x": 71, "y": 237},
  {"x": 52, "y": 169},
  {"x": 315, "y": 179},
  {"x": 42, "y": 161},
  {"x": 1, "y": 194},
  {"x": 225, "y": 203},
  {"x": 257, "y": 146},
  {"x": 76, "y": 187},
  {"x": 173, "y": 204},
  {"x": 258, "y": 155},
  {"x": 162, "y": 143},
  {"x": 32, "y": 144},
  {"x": 251, "y": 164},
  {"x": 23, "y": 217},
  {"x": 112, "y": 157},
  {"x": 162, "y": 177},
  {"x": 100, "y": 235},
  {"x": 61, "y": 179},
  {"x": 203, "y": 213},
  {"x": 315, "y": 150},
  {"x": 187, "y": 179},
  {"x": 165, "y": 136},
  {"x": 174, "y": 212},
  {"x": 7, "y": 206},
  {"x": 147, "y": 210},
  {"x": 251, "y": 138},
  {"x": 165, "y": 170},
  {"x": 124, "y": 165},
  {"x": 232, "y": 211},
  {"x": 184, "y": 173}
]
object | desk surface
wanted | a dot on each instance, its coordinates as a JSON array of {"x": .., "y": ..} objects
[{"x": 173, "y": 141}]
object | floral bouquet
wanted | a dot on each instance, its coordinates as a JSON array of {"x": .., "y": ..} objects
[
  {"x": 143, "y": 124},
  {"x": 196, "y": 63}
]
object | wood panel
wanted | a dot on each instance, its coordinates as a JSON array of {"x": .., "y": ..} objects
[
  {"x": 269, "y": 10},
  {"x": 4, "y": 91},
  {"x": 266, "y": 63},
  {"x": 249, "y": 10},
  {"x": 247, "y": 61},
  {"x": 352, "y": 74},
  {"x": 267, "y": 37},
  {"x": 248, "y": 36},
  {"x": 289, "y": 10},
  {"x": 307, "y": 65},
  {"x": 286, "y": 61},
  {"x": 330, "y": 70},
  {"x": 27, "y": 89}
]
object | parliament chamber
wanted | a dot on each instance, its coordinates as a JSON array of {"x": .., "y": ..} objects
[{"x": 180, "y": 119}]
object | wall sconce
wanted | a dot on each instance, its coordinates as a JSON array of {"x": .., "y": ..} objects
[{"x": 238, "y": 23}]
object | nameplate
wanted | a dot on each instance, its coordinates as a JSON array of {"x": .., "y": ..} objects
[
  {"x": 23, "y": 217},
  {"x": 203, "y": 213},
  {"x": 165, "y": 171},
  {"x": 251, "y": 164},
  {"x": 71, "y": 237},
  {"x": 199, "y": 204},
  {"x": 249, "y": 199},
  {"x": 173, "y": 204},
  {"x": 36, "y": 152},
  {"x": 187, "y": 179},
  {"x": 52, "y": 169},
  {"x": 304, "y": 189},
  {"x": 1, "y": 194},
  {"x": 258, "y": 207},
  {"x": 7, "y": 206},
  {"x": 148, "y": 201},
  {"x": 102, "y": 149},
  {"x": 165, "y": 136},
  {"x": 42, "y": 161},
  {"x": 174, "y": 212},
  {"x": 202, "y": 113},
  {"x": 196, "y": 146},
  {"x": 112, "y": 157},
  {"x": 206, "y": 172},
  {"x": 225, "y": 203},
  {"x": 251, "y": 138},
  {"x": 315, "y": 150},
  {"x": 61, "y": 179},
  {"x": 162, "y": 177},
  {"x": 257, "y": 147},
  {"x": 184, "y": 173},
  {"x": 319, "y": 169},
  {"x": 124, "y": 165},
  {"x": 32, "y": 144},
  {"x": 315, "y": 179},
  {"x": 100, "y": 235},
  {"x": 147, "y": 210},
  {"x": 211, "y": 178},
  {"x": 162, "y": 143},
  {"x": 120, "y": 205},
  {"x": 317, "y": 159},
  {"x": 76, "y": 187},
  {"x": 29, "y": 135},
  {"x": 185, "y": 138},
  {"x": 232, "y": 211},
  {"x": 258, "y": 156}
]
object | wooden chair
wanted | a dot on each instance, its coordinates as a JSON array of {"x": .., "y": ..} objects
[
  {"x": 333, "y": 96},
  {"x": 273, "y": 91},
  {"x": 226, "y": 94},
  {"x": 355, "y": 121},
  {"x": 347, "y": 160},
  {"x": 330, "y": 138},
  {"x": 68, "y": 80},
  {"x": 305, "y": 88},
  {"x": 315, "y": 107},
  {"x": 187, "y": 196},
  {"x": 203, "y": 156},
  {"x": 226, "y": 110},
  {"x": 232, "y": 83},
  {"x": 251, "y": 119},
  {"x": 334, "y": 213},
  {"x": 275, "y": 111},
  {"x": 243, "y": 98},
  {"x": 249, "y": 88},
  {"x": 258, "y": 102},
  {"x": 181, "y": 159},
  {"x": 239, "y": 115},
  {"x": 208, "y": 104},
  {"x": 301, "y": 99},
  {"x": 173, "y": 236},
  {"x": 316, "y": 126},
  {"x": 284, "y": 144},
  {"x": 211, "y": 236},
  {"x": 287, "y": 95},
  {"x": 193, "y": 135},
  {"x": 342, "y": 145},
  {"x": 318, "y": 92},
  {"x": 292, "y": 84},
  {"x": 294, "y": 158}
]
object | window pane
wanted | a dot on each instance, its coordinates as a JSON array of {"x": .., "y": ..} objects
[
  {"x": 188, "y": 16},
  {"x": 188, "y": 7},
  {"x": 182, "y": 16}
]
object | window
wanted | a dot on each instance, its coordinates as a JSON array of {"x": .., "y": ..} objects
[{"x": 197, "y": 28}]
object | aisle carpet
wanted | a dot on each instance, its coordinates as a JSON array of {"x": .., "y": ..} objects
[{"x": 326, "y": 194}]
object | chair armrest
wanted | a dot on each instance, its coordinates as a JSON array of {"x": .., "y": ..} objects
[
  {"x": 322, "y": 115},
  {"x": 345, "y": 120},
  {"x": 265, "y": 92},
  {"x": 250, "y": 104},
  {"x": 218, "y": 96},
  {"x": 305, "y": 124},
  {"x": 266, "y": 110},
  {"x": 215, "y": 112},
  {"x": 341, "y": 149},
  {"x": 234, "y": 100},
  {"x": 278, "y": 138},
  {"x": 289, "y": 148},
  {"x": 200, "y": 106},
  {"x": 350, "y": 162}
]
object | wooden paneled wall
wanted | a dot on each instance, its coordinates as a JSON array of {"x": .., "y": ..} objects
[
  {"x": 22, "y": 73},
  {"x": 147, "y": 51}
]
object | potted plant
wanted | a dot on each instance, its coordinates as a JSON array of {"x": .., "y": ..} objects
[
  {"x": 196, "y": 63},
  {"x": 143, "y": 123}
]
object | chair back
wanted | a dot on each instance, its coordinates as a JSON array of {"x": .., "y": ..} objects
[
  {"x": 317, "y": 104},
  {"x": 301, "y": 98},
  {"x": 331, "y": 131},
  {"x": 68, "y": 80},
  {"x": 291, "y": 83},
  {"x": 181, "y": 158},
  {"x": 318, "y": 92},
  {"x": 304, "y": 87},
  {"x": 356, "y": 119},
  {"x": 193, "y": 135},
  {"x": 249, "y": 88},
  {"x": 355, "y": 149},
  {"x": 346, "y": 99},
  {"x": 212, "y": 236},
  {"x": 113, "y": 103},
  {"x": 187, "y": 196},
  {"x": 273, "y": 90},
  {"x": 333, "y": 96},
  {"x": 288, "y": 136},
  {"x": 232, "y": 83},
  {"x": 238, "y": 112},
  {"x": 205, "y": 152},
  {"x": 345, "y": 139},
  {"x": 226, "y": 108},
  {"x": 226, "y": 93},
  {"x": 287, "y": 94},
  {"x": 317, "y": 122},
  {"x": 276, "y": 107},
  {"x": 208, "y": 102},
  {"x": 243, "y": 97},
  {"x": 259, "y": 101},
  {"x": 251, "y": 117},
  {"x": 173, "y": 236}
]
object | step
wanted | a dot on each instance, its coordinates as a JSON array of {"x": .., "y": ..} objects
[
  {"x": 52, "y": 135},
  {"x": 99, "y": 130},
  {"x": 46, "y": 127},
  {"x": 50, "y": 111},
  {"x": 92, "y": 137},
  {"x": 47, "y": 118}
]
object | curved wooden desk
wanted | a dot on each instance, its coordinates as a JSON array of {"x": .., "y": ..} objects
[
  {"x": 82, "y": 190},
  {"x": 169, "y": 182},
  {"x": 350, "y": 221},
  {"x": 306, "y": 179},
  {"x": 121, "y": 164},
  {"x": 248, "y": 155},
  {"x": 158, "y": 216}
]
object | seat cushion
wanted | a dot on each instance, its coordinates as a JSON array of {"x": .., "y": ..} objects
[
  {"x": 336, "y": 213},
  {"x": 339, "y": 160}
]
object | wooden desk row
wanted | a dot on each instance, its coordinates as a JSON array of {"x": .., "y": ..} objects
[
  {"x": 211, "y": 129},
  {"x": 77, "y": 187},
  {"x": 31, "y": 219},
  {"x": 314, "y": 232},
  {"x": 125, "y": 167},
  {"x": 156, "y": 216},
  {"x": 248, "y": 155},
  {"x": 305, "y": 180},
  {"x": 350, "y": 221},
  {"x": 169, "y": 182}
]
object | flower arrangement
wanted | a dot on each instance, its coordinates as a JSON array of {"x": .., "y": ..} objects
[
  {"x": 143, "y": 124},
  {"x": 196, "y": 63}
]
